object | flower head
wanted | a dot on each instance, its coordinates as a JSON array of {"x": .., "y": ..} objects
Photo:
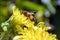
[{"x": 30, "y": 33}]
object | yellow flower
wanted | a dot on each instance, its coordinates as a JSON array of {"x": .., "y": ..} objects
[
  {"x": 20, "y": 19},
  {"x": 30, "y": 33},
  {"x": 39, "y": 34}
]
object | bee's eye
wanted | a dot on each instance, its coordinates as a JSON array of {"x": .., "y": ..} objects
[{"x": 25, "y": 13}]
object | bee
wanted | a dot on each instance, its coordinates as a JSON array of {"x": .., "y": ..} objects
[{"x": 29, "y": 15}]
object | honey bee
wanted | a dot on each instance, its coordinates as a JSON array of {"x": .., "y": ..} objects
[{"x": 29, "y": 15}]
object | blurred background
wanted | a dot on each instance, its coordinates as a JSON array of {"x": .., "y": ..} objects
[{"x": 47, "y": 11}]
